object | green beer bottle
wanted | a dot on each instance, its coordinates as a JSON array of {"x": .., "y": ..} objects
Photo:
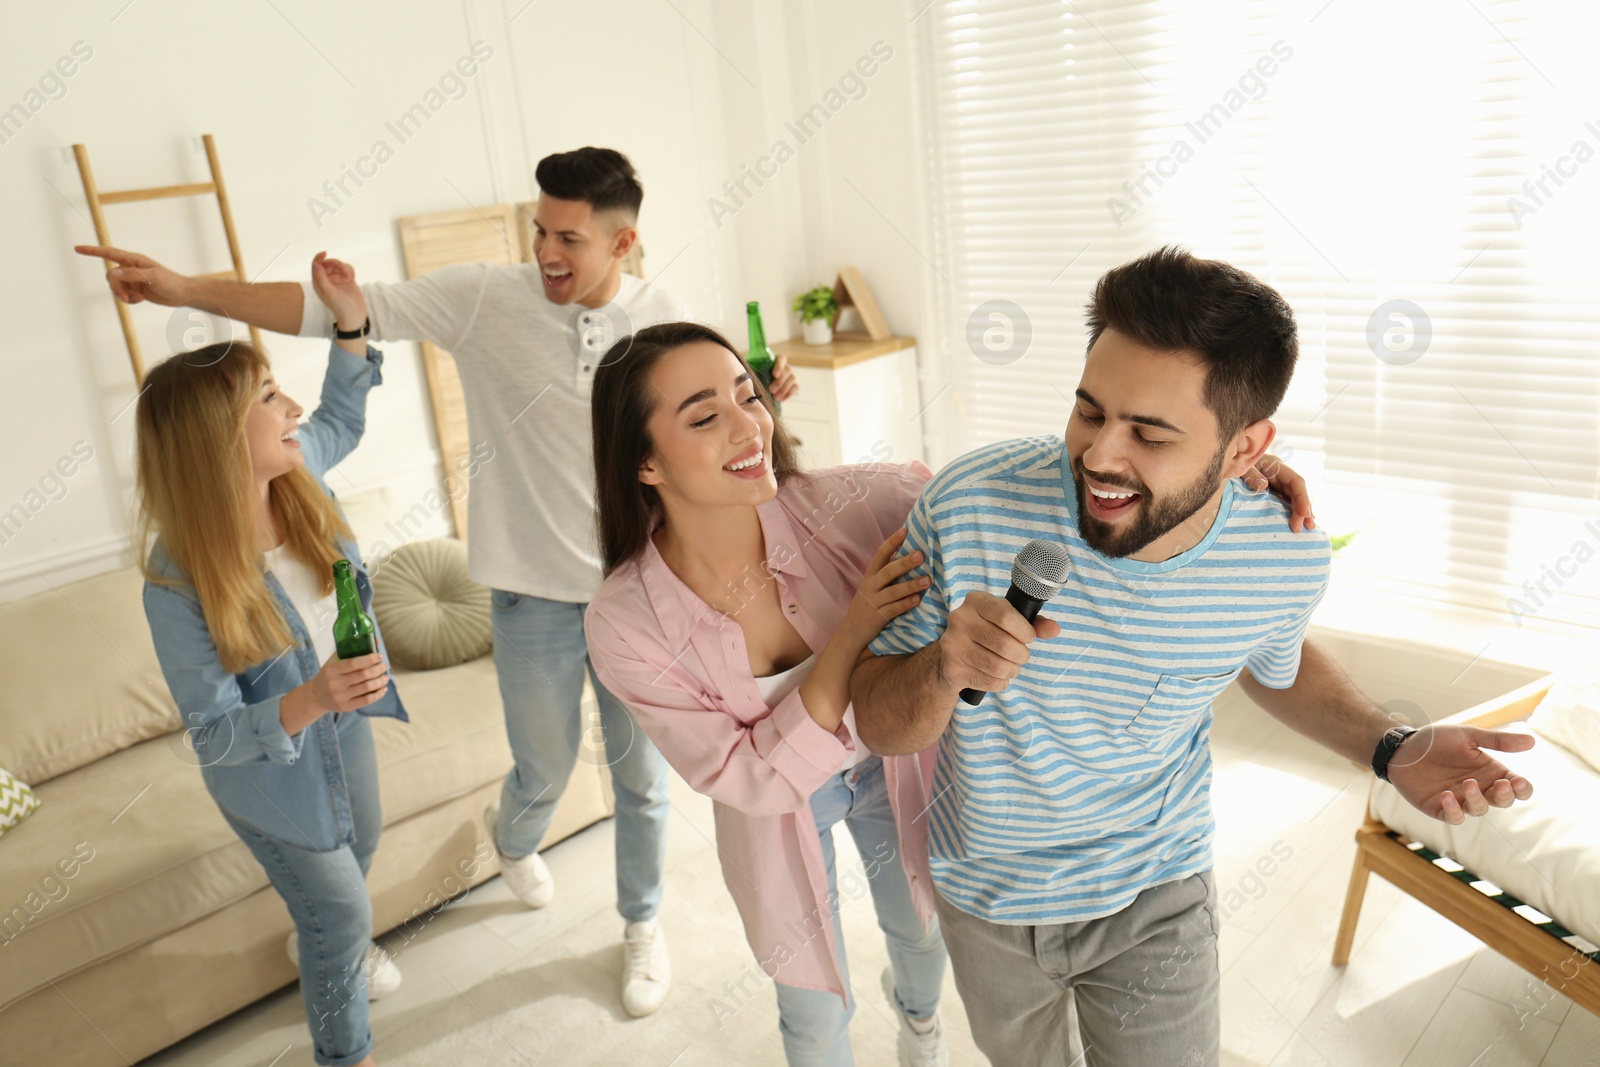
[
  {"x": 354, "y": 633},
  {"x": 761, "y": 358}
]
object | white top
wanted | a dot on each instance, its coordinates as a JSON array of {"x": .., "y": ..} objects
[
  {"x": 317, "y": 612},
  {"x": 526, "y": 368},
  {"x": 774, "y": 687}
]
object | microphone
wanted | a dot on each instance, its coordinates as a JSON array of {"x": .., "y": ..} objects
[{"x": 1038, "y": 574}]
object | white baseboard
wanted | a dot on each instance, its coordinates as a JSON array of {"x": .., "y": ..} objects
[{"x": 35, "y": 574}]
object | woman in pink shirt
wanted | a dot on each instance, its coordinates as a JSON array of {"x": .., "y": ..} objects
[
  {"x": 739, "y": 593},
  {"x": 729, "y": 621}
]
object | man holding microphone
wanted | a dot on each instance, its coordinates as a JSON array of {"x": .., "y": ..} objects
[{"x": 1070, "y": 823}]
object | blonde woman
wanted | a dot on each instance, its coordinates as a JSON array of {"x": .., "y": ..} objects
[{"x": 239, "y": 596}]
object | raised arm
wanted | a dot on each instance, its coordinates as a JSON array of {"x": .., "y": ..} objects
[
  {"x": 335, "y": 428},
  {"x": 136, "y": 278},
  {"x": 438, "y": 307}
]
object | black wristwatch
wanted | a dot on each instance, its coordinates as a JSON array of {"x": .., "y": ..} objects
[
  {"x": 1387, "y": 744},
  {"x": 351, "y": 335}
]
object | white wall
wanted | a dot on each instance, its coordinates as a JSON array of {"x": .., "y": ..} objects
[
  {"x": 691, "y": 91},
  {"x": 865, "y": 186}
]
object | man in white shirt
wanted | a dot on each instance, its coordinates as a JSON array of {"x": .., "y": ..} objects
[{"x": 526, "y": 339}]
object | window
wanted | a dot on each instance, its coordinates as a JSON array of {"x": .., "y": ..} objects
[{"x": 1421, "y": 182}]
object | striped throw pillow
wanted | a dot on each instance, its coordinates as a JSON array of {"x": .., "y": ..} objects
[{"x": 17, "y": 801}]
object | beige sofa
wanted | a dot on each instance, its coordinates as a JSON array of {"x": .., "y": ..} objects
[{"x": 130, "y": 914}]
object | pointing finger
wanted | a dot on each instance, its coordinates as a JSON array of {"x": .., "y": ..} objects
[{"x": 103, "y": 251}]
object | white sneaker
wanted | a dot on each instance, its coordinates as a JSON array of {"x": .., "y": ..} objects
[
  {"x": 916, "y": 1049},
  {"x": 646, "y": 969},
  {"x": 383, "y": 977},
  {"x": 529, "y": 878}
]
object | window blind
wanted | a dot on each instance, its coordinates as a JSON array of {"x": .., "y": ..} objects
[{"x": 1420, "y": 181}]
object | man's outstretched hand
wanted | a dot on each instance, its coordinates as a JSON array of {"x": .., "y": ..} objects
[
  {"x": 1449, "y": 772},
  {"x": 137, "y": 278}
]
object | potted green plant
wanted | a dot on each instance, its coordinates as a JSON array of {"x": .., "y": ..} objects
[{"x": 817, "y": 309}]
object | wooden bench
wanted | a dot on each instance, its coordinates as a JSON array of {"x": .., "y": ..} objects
[{"x": 1540, "y": 948}]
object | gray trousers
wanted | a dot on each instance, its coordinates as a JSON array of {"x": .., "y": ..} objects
[{"x": 1144, "y": 982}]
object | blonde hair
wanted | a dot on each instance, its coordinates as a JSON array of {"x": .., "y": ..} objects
[{"x": 196, "y": 494}]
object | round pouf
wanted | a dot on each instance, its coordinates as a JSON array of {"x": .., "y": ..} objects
[{"x": 431, "y": 614}]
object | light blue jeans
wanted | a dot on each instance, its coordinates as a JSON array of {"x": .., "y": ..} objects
[
  {"x": 816, "y": 1025},
  {"x": 326, "y": 893},
  {"x": 542, "y": 657}
]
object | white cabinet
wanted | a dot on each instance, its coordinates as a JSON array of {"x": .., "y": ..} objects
[{"x": 857, "y": 401}]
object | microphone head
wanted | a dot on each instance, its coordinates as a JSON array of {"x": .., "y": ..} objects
[{"x": 1040, "y": 569}]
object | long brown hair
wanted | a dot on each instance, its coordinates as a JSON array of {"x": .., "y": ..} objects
[
  {"x": 626, "y": 509},
  {"x": 196, "y": 493}
]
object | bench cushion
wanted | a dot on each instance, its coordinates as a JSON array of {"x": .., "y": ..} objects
[
  {"x": 1569, "y": 714},
  {"x": 1545, "y": 851}
]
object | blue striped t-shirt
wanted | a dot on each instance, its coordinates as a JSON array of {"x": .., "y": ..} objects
[{"x": 1088, "y": 779}]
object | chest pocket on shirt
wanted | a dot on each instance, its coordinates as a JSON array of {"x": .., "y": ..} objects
[{"x": 1175, "y": 706}]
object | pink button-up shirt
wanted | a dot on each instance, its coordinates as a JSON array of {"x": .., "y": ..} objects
[{"x": 681, "y": 666}]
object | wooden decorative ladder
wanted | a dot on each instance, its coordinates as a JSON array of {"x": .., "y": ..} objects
[{"x": 102, "y": 234}]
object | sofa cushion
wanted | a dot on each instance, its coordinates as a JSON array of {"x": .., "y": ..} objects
[
  {"x": 119, "y": 852},
  {"x": 454, "y": 743},
  {"x": 431, "y": 613},
  {"x": 132, "y": 847},
  {"x": 1569, "y": 714},
  {"x": 81, "y": 677},
  {"x": 1545, "y": 851}
]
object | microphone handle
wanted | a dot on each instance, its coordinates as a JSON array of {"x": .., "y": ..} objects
[{"x": 1029, "y": 607}]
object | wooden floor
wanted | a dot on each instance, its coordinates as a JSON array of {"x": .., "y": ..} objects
[{"x": 488, "y": 982}]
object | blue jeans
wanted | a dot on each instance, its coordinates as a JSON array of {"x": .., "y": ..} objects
[
  {"x": 816, "y": 1025},
  {"x": 542, "y": 657},
  {"x": 326, "y": 893}
]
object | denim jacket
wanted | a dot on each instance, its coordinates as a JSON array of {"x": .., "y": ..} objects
[{"x": 289, "y": 788}]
